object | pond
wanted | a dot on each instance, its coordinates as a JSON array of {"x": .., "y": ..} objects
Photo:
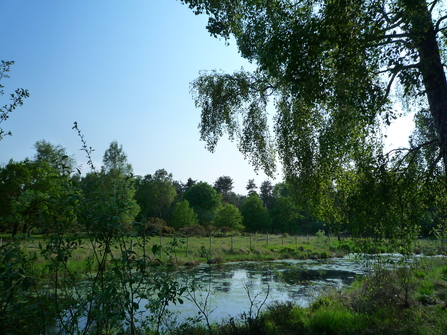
[{"x": 235, "y": 287}]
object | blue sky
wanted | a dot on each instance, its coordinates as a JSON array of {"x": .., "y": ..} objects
[{"x": 121, "y": 70}]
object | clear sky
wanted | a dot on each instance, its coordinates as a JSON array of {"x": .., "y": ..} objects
[{"x": 121, "y": 70}]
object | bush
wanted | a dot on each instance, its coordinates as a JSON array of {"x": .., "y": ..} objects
[
  {"x": 284, "y": 318},
  {"x": 334, "y": 321},
  {"x": 193, "y": 230},
  {"x": 156, "y": 226},
  {"x": 386, "y": 288}
]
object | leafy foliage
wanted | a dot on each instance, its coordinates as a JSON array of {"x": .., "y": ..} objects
[
  {"x": 183, "y": 215},
  {"x": 55, "y": 155},
  {"x": 256, "y": 216},
  {"x": 16, "y": 98},
  {"x": 204, "y": 199},
  {"x": 115, "y": 160},
  {"x": 229, "y": 216},
  {"x": 157, "y": 226},
  {"x": 155, "y": 194},
  {"x": 330, "y": 69},
  {"x": 285, "y": 215},
  {"x": 103, "y": 295}
]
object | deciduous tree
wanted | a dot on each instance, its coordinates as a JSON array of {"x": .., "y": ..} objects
[
  {"x": 110, "y": 191},
  {"x": 334, "y": 69},
  {"x": 29, "y": 196},
  {"x": 285, "y": 216},
  {"x": 55, "y": 155},
  {"x": 229, "y": 216},
  {"x": 183, "y": 215},
  {"x": 205, "y": 201},
  {"x": 115, "y": 160},
  {"x": 155, "y": 194},
  {"x": 256, "y": 216}
]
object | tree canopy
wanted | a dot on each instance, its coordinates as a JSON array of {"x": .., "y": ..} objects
[
  {"x": 55, "y": 155},
  {"x": 154, "y": 194},
  {"x": 229, "y": 216},
  {"x": 115, "y": 160},
  {"x": 205, "y": 201},
  {"x": 256, "y": 216},
  {"x": 334, "y": 71},
  {"x": 223, "y": 184},
  {"x": 183, "y": 215}
]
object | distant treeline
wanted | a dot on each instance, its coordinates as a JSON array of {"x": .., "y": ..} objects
[{"x": 31, "y": 193}]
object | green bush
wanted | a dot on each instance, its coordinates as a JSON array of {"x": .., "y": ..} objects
[
  {"x": 332, "y": 321},
  {"x": 283, "y": 318}
]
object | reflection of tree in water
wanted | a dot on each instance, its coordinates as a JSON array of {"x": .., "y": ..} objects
[
  {"x": 268, "y": 276},
  {"x": 292, "y": 280},
  {"x": 302, "y": 276},
  {"x": 226, "y": 274},
  {"x": 224, "y": 286}
]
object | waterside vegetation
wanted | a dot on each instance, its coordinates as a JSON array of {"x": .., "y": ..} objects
[
  {"x": 64, "y": 288},
  {"x": 405, "y": 300}
]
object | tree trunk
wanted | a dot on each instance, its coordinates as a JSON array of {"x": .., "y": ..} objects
[{"x": 423, "y": 35}]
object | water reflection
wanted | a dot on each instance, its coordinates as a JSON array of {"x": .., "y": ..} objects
[{"x": 233, "y": 285}]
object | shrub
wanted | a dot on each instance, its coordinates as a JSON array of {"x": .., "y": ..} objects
[
  {"x": 284, "y": 318},
  {"x": 193, "y": 230},
  {"x": 334, "y": 321},
  {"x": 156, "y": 226}
]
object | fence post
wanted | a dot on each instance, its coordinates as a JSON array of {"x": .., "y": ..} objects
[
  {"x": 211, "y": 244},
  {"x": 232, "y": 242},
  {"x": 282, "y": 239},
  {"x": 187, "y": 243},
  {"x": 161, "y": 241},
  {"x": 251, "y": 241},
  {"x": 131, "y": 245},
  {"x": 267, "y": 238},
  {"x": 296, "y": 239}
]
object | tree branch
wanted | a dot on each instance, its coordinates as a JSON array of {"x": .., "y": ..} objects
[
  {"x": 399, "y": 68},
  {"x": 390, "y": 83},
  {"x": 438, "y": 23},
  {"x": 386, "y": 42},
  {"x": 432, "y": 166},
  {"x": 432, "y": 6},
  {"x": 410, "y": 150},
  {"x": 396, "y": 35}
]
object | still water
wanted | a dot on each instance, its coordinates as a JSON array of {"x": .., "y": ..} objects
[{"x": 234, "y": 287}]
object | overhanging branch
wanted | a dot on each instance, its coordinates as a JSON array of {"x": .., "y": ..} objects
[{"x": 413, "y": 151}]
